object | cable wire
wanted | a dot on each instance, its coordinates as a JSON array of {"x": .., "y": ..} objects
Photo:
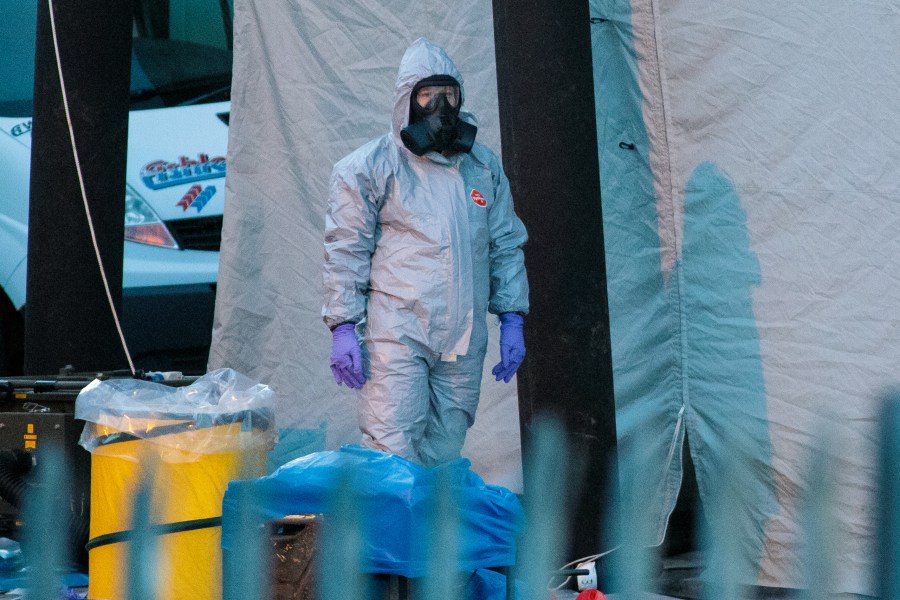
[
  {"x": 577, "y": 561},
  {"x": 87, "y": 208}
]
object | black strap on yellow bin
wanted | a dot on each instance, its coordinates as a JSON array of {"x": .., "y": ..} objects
[{"x": 162, "y": 529}]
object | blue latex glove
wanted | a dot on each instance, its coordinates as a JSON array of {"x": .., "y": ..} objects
[
  {"x": 346, "y": 357},
  {"x": 512, "y": 346}
]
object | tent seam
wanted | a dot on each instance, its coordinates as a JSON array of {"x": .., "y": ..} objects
[{"x": 677, "y": 237}]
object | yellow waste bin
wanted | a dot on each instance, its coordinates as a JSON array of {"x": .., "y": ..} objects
[{"x": 188, "y": 456}]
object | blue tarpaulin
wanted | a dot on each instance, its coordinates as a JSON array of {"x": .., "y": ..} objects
[{"x": 396, "y": 499}]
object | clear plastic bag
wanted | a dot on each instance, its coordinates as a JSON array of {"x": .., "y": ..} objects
[{"x": 119, "y": 410}]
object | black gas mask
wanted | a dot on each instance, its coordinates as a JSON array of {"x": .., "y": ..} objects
[{"x": 434, "y": 122}]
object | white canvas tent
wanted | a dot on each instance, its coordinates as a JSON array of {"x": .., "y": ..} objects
[
  {"x": 751, "y": 206},
  {"x": 312, "y": 81}
]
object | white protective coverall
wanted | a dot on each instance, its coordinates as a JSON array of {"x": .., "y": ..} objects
[{"x": 417, "y": 251}]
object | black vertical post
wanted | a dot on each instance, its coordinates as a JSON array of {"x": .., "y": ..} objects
[
  {"x": 68, "y": 319},
  {"x": 548, "y": 127},
  {"x": 887, "y": 569}
]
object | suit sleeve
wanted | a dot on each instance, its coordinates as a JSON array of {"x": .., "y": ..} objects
[
  {"x": 509, "y": 283},
  {"x": 350, "y": 224}
]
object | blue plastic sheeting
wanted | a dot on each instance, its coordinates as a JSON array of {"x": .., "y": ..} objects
[
  {"x": 395, "y": 497},
  {"x": 490, "y": 585},
  {"x": 70, "y": 584}
]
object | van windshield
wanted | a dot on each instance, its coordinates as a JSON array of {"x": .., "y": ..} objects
[{"x": 181, "y": 53}]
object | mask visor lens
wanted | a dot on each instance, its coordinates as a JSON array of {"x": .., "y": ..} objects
[{"x": 428, "y": 97}]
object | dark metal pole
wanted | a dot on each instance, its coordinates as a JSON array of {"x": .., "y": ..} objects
[
  {"x": 68, "y": 319},
  {"x": 887, "y": 570},
  {"x": 548, "y": 127}
]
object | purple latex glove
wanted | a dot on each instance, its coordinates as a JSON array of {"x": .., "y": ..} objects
[
  {"x": 346, "y": 357},
  {"x": 512, "y": 346}
]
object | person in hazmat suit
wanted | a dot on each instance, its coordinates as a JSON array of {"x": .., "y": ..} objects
[{"x": 421, "y": 242}]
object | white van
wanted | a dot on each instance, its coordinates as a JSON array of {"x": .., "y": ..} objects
[{"x": 175, "y": 183}]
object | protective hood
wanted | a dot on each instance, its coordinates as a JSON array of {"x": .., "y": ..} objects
[{"x": 422, "y": 59}]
